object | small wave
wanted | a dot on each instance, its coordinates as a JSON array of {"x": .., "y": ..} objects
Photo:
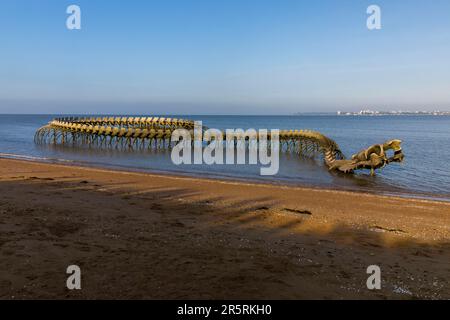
[{"x": 31, "y": 158}]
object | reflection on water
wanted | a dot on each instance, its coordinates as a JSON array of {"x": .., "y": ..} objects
[{"x": 425, "y": 140}]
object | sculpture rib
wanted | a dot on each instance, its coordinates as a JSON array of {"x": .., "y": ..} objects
[{"x": 155, "y": 132}]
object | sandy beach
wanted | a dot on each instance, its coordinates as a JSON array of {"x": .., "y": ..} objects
[{"x": 146, "y": 236}]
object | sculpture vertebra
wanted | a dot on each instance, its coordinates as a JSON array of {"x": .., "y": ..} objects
[{"x": 141, "y": 132}]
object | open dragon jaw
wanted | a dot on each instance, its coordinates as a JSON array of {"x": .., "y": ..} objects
[{"x": 156, "y": 132}]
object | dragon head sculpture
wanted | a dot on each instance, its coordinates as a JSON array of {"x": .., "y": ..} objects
[{"x": 372, "y": 158}]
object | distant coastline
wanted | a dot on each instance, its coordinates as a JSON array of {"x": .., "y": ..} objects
[
  {"x": 370, "y": 113},
  {"x": 394, "y": 113}
]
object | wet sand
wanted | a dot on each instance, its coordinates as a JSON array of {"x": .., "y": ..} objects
[{"x": 145, "y": 236}]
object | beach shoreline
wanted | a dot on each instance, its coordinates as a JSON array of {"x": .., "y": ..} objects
[
  {"x": 155, "y": 236},
  {"x": 390, "y": 193}
]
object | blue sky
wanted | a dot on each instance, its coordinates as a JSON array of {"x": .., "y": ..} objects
[{"x": 223, "y": 56}]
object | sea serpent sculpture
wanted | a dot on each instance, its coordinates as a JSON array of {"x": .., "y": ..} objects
[{"x": 156, "y": 132}]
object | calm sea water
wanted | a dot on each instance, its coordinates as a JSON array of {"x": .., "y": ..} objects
[{"x": 426, "y": 144}]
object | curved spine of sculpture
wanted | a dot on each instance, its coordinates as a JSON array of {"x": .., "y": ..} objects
[{"x": 156, "y": 132}]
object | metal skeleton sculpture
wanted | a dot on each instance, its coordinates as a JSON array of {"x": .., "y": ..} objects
[{"x": 155, "y": 132}]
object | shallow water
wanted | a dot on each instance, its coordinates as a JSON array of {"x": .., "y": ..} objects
[{"x": 426, "y": 144}]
